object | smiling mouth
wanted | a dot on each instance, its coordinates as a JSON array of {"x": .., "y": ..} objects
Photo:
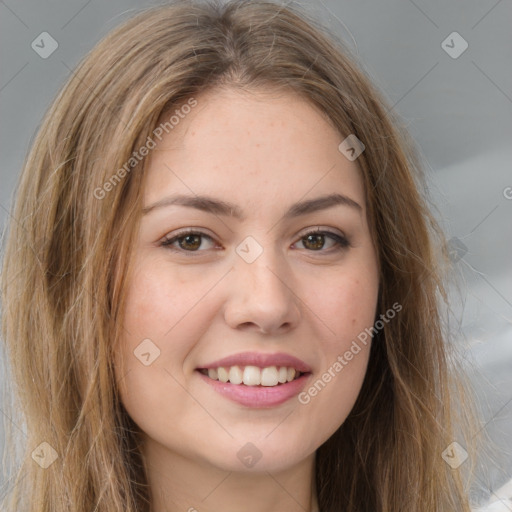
[{"x": 269, "y": 376}]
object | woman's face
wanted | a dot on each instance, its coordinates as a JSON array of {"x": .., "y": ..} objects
[{"x": 276, "y": 281}]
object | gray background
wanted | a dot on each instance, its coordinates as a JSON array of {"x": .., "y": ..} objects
[{"x": 457, "y": 109}]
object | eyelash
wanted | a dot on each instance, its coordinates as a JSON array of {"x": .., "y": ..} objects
[{"x": 341, "y": 241}]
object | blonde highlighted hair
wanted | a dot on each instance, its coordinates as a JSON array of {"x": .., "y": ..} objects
[{"x": 67, "y": 261}]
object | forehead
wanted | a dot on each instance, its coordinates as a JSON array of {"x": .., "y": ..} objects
[{"x": 261, "y": 147}]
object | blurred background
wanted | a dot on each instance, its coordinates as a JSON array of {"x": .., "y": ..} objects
[{"x": 442, "y": 65}]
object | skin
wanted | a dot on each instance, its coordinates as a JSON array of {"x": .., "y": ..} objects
[{"x": 263, "y": 151}]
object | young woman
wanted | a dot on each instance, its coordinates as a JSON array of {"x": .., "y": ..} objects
[{"x": 220, "y": 289}]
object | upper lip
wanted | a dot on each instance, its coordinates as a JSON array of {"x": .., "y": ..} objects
[{"x": 261, "y": 360}]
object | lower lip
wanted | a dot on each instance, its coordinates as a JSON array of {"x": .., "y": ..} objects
[{"x": 258, "y": 396}]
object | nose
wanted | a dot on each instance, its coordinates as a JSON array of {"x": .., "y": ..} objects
[{"x": 261, "y": 297}]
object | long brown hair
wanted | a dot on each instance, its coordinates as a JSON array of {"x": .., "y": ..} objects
[{"x": 68, "y": 252}]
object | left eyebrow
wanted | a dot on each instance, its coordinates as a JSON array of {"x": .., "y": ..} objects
[
  {"x": 321, "y": 203},
  {"x": 219, "y": 207}
]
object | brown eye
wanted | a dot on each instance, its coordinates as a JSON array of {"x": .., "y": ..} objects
[
  {"x": 189, "y": 241},
  {"x": 318, "y": 240},
  {"x": 314, "y": 242}
]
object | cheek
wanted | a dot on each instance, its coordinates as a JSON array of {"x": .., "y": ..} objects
[
  {"x": 160, "y": 320},
  {"x": 161, "y": 314},
  {"x": 347, "y": 305},
  {"x": 160, "y": 299}
]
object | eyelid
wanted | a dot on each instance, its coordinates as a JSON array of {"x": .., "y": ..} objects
[{"x": 322, "y": 230}]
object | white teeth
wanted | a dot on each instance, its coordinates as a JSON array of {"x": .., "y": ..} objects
[
  {"x": 269, "y": 376},
  {"x": 222, "y": 373},
  {"x": 235, "y": 375},
  {"x": 253, "y": 375}
]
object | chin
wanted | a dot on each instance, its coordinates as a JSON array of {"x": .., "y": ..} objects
[{"x": 260, "y": 455}]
